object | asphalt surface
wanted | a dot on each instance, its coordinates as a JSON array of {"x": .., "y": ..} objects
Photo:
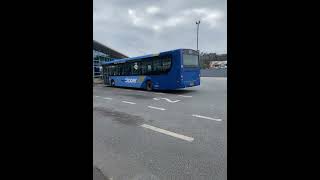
[
  {"x": 98, "y": 175},
  {"x": 213, "y": 72},
  {"x": 180, "y": 134}
]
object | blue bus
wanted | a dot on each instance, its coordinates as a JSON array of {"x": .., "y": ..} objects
[{"x": 163, "y": 71}]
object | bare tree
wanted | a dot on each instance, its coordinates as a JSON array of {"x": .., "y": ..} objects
[{"x": 206, "y": 58}]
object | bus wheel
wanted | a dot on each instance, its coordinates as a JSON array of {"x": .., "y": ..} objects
[
  {"x": 149, "y": 85},
  {"x": 112, "y": 83}
]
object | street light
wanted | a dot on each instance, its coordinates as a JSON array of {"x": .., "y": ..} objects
[{"x": 197, "y": 22}]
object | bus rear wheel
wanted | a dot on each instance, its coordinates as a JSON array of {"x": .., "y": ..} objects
[{"x": 149, "y": 86}]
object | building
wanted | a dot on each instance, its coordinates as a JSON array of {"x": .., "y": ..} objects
[
  {"x": 218, "y": 64},
  {"x": 213, "y": 60},
  {"x": 102, "y": 53}
]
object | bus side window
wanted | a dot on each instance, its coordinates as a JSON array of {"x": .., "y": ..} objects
[
  {"x": 157, "y": 66},
  {"x": 136, "y": 68},
  {"x": 109, "y": 70},
  {"x": 166, "y": 64},
  {"x": 121, "y": 71},
  {"x": 143, "y": 67},
  {"x": 127, "y": 69},
  {"x": 146, "y": 67},
  {"x": 117, "y": 69},
  {"x": 149, "y": 66}
]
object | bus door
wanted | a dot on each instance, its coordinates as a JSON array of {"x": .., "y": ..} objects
[{"x": 106, "y": 75}]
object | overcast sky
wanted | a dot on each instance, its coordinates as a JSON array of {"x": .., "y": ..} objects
[{"x": 139, "y": 27}]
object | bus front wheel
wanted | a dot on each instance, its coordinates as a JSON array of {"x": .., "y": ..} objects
[{"x": 149, "y": 86}]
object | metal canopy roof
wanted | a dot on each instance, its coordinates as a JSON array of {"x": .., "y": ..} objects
[{"x": 105, "y": 49}]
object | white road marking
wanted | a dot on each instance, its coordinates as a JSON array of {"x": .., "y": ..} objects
[
  {"x": 185, "y": 96},
  {"x": 107, "y": 98},
  {"x": 128, "y": 102},
  {"x": 204, "y": 117},
  {"x": 157, "y": 99},
  {"x": 170, "y": 100},
  {"x": 152, "y": 107},
  {"x": 97, "y": 96},
  {"x": 180, "y": 136},
  {"x": 129, "y": 90}
]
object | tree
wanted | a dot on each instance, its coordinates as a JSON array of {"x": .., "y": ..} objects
[{"x": 206, "y": 58}]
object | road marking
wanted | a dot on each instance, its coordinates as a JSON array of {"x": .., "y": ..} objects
[
  {"x": 152, "y": 107},
  {"x": 185, "y": 96},
  {"x": 97, "y": 96},
  {"x": 157, "y": 99},
  {"x": 180, "y": 136},
  {"x": 129, "y": 90},
  {"x": 204, "y": 117},
  {"x": 170, "y": 100},
  {"x": 128, "y": 102},
  {"x": 107, "y": 98}
]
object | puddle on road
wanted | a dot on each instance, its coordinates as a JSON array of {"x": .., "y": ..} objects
[{"x": 121, "y": 117}]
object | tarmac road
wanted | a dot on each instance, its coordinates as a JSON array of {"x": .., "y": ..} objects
[{"x": 180, "y": 134}]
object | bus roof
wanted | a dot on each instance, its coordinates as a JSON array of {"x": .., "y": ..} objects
[{"x": 138, "y": 57}]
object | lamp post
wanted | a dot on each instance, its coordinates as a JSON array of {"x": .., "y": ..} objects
[{"x": 198, "y": 23}]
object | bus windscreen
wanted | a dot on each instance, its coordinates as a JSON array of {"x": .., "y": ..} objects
[{"x": 190, "y": 60}]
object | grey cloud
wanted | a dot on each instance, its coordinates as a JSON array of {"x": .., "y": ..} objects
[{"x": 114, "y": 27}]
